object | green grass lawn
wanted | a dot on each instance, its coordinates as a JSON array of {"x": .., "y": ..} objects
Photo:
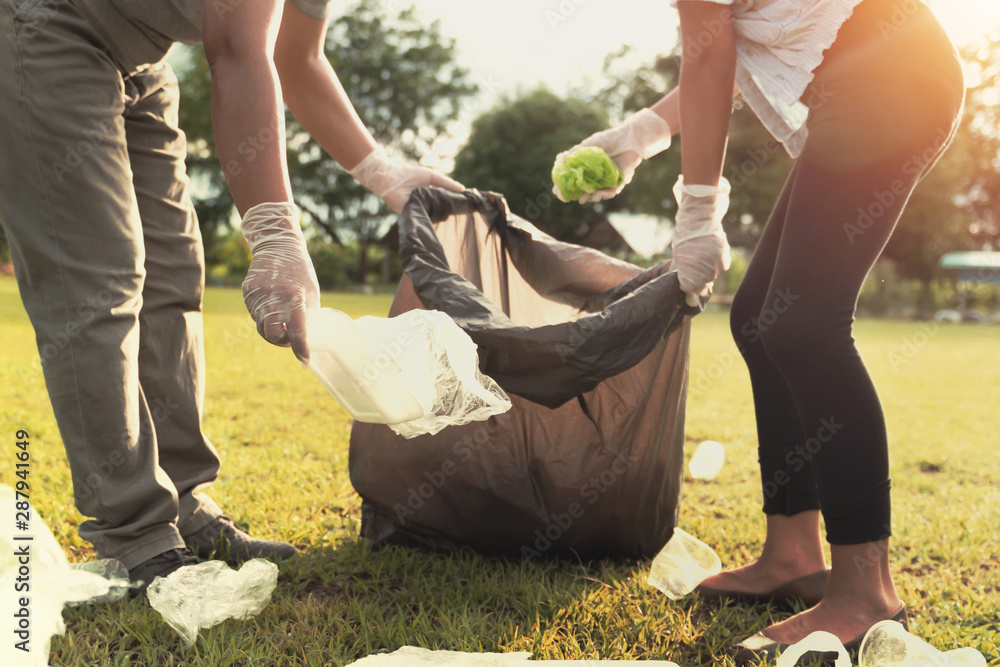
[{"x": 283, "y": 442}]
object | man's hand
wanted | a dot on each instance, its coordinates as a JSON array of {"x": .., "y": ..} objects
[{"x": 281, "y": 283}]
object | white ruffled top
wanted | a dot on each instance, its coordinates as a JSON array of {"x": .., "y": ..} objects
[{"x": 779, "y": 43}]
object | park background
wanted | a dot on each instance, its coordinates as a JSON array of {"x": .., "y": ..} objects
[
  {"x": 492, "y": 97},
  {"x": 437, "y": 90}
]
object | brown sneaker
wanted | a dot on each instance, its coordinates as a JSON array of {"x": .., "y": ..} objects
[
  {"x": 222, "y": 540},
  {"x": 160, "y": 565}
]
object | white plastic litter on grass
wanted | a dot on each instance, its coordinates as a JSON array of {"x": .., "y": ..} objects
[
  {"x": 888, "y": 644},
  {"x": 682, "y": 564},
  {"x": 821, "y": 642},
  {"x": 411, "y": 656},
  {"x": 707, "y": 460},
  {"x": 200, "y": 596},
  {"x": 36, "y": 582},
  {"x": 417, "y": 372},
  {"x": 112, "y": 586}
]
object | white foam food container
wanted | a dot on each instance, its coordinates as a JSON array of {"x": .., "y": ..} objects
[{"x": 363, "y": 379}]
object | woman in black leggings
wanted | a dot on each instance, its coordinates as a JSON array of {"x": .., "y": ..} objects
[{"x": 883, "y": 103}]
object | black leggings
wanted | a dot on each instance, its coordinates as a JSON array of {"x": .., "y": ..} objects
[{"x": 883, "y": 106}]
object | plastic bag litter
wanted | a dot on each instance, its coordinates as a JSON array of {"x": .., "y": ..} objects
[
  {"x": 418, "y": 372},
  {"x": 112, "y": 586},
  {"x": 37, "y": 581},
  {"x": 200, "y": 596},
  {"x": 441, "y": 368},
  {"x": 411, "y": 656}
]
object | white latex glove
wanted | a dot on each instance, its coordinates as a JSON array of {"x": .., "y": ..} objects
[
  {"x": 640, "y": 137},
  {"x": 281, "y": 282},
  {"x": 701, "y": 251},
  {"x": 393, "y": 180}
]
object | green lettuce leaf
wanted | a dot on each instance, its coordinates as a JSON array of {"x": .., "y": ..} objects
[{"x": 586, "y": 170}]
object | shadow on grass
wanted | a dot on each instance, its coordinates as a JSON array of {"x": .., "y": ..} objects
[
  {"x": 336, "y": 605},
  {"x": 396, "y": 596}
]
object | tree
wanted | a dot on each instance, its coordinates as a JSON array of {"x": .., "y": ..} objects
[
  {"x": 401, "y": 77},
  {"x": 511, "y": 149},
  {"x": 983, "y": 151}
]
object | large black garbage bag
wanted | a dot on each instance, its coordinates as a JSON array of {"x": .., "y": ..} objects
[{"x": 594, "y": 353}]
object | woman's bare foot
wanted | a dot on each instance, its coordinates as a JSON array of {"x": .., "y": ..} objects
[
  {"x": 860, "y": 593},
  {"x": 845, "y": 618},
  {"x": 792, "y": 549}
]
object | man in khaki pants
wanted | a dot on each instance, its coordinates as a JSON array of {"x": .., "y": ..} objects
[{"x": 106, "y": 247}]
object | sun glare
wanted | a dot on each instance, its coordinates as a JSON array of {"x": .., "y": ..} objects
[{"x": 968, "y": 20}]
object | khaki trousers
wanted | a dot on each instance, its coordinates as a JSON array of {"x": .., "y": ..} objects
[{"x": 109, "y": 263}]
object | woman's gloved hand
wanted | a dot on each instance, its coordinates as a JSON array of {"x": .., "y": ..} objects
[
  {"x": 393, "y": 180},
  {"x": 281, "y": 282},
  {"x": 701, "y": 251},
  {"x": 640, "y": 137}
]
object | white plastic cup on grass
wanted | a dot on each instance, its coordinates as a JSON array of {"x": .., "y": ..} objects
[
  {"x": 682, "y": 564},
  {"x": 819, "y": 641},
  {"x": 887, "y": 644},
  {"x": 707, "y": 460}
]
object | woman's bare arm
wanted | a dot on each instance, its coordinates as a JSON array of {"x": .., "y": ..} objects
[{"x": 706, "y": 89}]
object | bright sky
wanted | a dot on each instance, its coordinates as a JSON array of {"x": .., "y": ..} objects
[
  {"x": 560, "y": 42},
  {"x": 518, "y": 44}
]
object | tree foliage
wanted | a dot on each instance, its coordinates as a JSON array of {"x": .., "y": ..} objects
[
  {"x": 983, "y": 126},
  {"x": 511, "y": 149}
]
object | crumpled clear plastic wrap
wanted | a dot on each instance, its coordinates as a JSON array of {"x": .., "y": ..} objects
[
  {"x": 441, "y": 369},
  {"x": 112, "y": 585},
  {"x": 200, "y": 596},
  {"x": 417, "y": 372},
  {"x": 34, "y": 569}
]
